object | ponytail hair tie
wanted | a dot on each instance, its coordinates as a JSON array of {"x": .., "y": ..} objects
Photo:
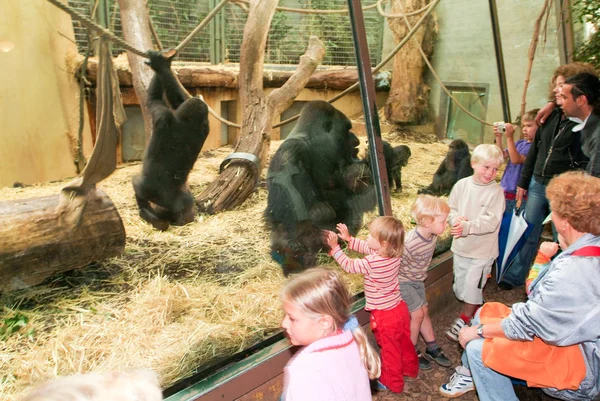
[{"x": 351, "y": 324}]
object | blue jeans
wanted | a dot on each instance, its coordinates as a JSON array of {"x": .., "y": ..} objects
[
  {"x": 511, "y": 205},
  {"x": 536, "y": 210},
  {"x": 490, "y": 385}
]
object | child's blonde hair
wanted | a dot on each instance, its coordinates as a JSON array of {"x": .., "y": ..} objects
[
  {"x": 530, "y": 115},
  {"x": 390, "y": 230},
  {"x": 137, "y": 385},
  {"x": 320, "y": 291},
  {"x": 426, "y": 208},
  {"x": 487, "y": 153}
]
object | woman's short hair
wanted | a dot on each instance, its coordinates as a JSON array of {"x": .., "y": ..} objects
[
  {"x": 426, "y": 208},
  {"x": 567, "y": 71},
  {"x": 486, "y": 153},
  {"x": 575, "y": 196}
]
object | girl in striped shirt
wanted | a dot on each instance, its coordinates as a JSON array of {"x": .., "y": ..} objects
[{"x": 390, "y": 320}]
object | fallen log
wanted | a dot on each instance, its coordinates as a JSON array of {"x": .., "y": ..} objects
[
  {"x": 33, "y": 245},
  {"x": 197, "y": 75}
]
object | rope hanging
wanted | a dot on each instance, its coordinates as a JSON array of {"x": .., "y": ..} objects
[
  {"x": 379, "y": 66},
  {"x": 438, "y": 79},
  {"x": 311, "y": 11},
  {"x": 92, "y": 25},
  {"x": 429, "y": 8}
]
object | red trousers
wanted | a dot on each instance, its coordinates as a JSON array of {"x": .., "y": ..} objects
[{"x": 398, "y": 355}]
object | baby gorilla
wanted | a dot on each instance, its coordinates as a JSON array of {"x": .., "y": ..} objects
[
  {"x": 178, "y": 133},
  {"x": 395, "y": 158},
  {"x": 455, "y": 166},
  {"x": 399, "y": 158}
]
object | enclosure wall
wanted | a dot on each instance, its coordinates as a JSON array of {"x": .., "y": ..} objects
[
  {"x": 464, "y": 56},
  {"x": 39, "y": 96}
]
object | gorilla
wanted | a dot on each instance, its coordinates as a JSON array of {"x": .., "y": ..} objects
[
  {"x": 178, "y": 133},
  {"x": 455, "y": 166},
  {"x": 315, "y": 181},
  {"x": 395, "y": 158}
]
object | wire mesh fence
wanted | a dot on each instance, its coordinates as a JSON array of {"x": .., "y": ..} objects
[{"x": 221, "y": 41}]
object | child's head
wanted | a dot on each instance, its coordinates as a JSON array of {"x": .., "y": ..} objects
[
  {"x": 316, "y": 303},
  {"x": 528, "y": 125},
  {"x": 386, "y": 236},
  {"x": 430, "y": 213},
  {"x": 485, "y": 160},
  {"x": 137, "y": 385}
]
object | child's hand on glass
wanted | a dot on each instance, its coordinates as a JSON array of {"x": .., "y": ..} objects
[
  {"x": 331, "y": 238},
  {"x": 343, "y": 232}
]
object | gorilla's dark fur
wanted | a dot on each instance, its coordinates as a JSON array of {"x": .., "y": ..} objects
[
  {"x": 455, "y": 166},
  {"x": 395, "y": 158},
  {"x": 178, "y": 133},
  {"x": 315, "y": 181}
]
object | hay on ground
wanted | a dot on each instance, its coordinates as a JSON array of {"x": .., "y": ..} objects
[{"x": 173, "y": 301}]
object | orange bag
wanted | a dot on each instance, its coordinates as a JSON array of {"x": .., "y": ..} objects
[{"x": 538, "y": 363}]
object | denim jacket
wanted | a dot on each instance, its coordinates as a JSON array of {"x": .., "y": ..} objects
[{"x": 564, "y": 309}]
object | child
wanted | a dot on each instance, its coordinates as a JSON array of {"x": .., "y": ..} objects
[
  {"x": 137, "y": 385},
  {"x": 335, "y": 364},
  {"x": 390, "y": 320},
  {"x": 476, "y": 207},
  {"x": 431, "y": 214},
  {"x": 516, "y": 154}
]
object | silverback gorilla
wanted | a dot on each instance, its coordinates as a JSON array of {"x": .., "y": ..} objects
[
  {"x": 455, "y": 166},
  {"x": 178, "y": 133},
  {"x": 315, "y": 181}
]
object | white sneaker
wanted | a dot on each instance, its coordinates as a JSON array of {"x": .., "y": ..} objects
[
  {"x": 452, "y": 333},
  {"x": 460, "y": 383}
]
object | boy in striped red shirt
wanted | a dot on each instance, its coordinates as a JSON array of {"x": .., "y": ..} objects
[{"x": 390, "y": 319}]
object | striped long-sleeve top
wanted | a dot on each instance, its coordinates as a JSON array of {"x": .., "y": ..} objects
[
  {"x": 382, "y": 290},
  {"x": 416, "y": 257}
]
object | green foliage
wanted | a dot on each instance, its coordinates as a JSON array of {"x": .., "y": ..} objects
[
  {"x": 588, "y": 11},
  {"x": 11, "y": 325}
]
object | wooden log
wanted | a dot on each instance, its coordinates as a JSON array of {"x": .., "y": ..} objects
[
  {"x": 196, "y": 75},
  {"x": 33, "y": 245}
]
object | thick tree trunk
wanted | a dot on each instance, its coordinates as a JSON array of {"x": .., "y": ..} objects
[
  {"x": 136, "y": 32},
  {"x": 237, "y": 181},
  {"x": 33, "y": 246},
  {"x": 409, "y": 95}
]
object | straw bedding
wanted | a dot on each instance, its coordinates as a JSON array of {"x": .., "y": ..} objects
[{"x": 173, "y": 301}]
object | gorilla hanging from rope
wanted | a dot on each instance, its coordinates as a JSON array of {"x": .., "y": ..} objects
[
  {"x": 315, "y": 181},
  {"x": 178, "y": 133}
]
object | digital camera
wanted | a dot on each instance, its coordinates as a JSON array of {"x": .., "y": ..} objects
[{"x": 501, "y": 127}]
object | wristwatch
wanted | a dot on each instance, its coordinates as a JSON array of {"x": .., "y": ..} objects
[{"x": 479, "y": 330}]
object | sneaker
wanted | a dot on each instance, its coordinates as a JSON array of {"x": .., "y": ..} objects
[
  {"x": 379, "y": 386},
  {"x": 452, "y": 333},
  {"x": 438, "y": 357},
  {"x": 459, "y": 384},
  {"x": 424, "y": 363}
]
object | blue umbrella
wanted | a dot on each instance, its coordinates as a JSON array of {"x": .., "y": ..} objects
[{"x": 513, "y": 234}]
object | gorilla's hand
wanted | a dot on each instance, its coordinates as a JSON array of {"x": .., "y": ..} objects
[
  {"x": 157, "y": 61},
  {"x": 321, "y": 212}
]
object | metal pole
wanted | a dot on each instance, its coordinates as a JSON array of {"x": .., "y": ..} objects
[
  {"x": 500, "y": 60},
  {"x": 367, "y": 92}
]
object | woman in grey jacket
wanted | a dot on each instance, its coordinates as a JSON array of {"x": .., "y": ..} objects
[{"x": 564, "y": 304}]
